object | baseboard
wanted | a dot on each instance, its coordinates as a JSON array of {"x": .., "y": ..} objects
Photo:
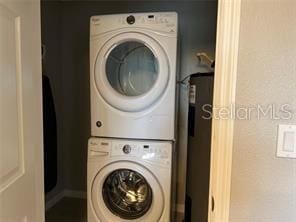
[
  {"x": 64, "y": 193},
  {"x": 75, "y": 194},
  {"x": 53, "y": 201},
  {"x": 180, "y": 208}
]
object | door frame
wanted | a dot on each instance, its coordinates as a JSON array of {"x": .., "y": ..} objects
[{"x": 227, "y": 45}]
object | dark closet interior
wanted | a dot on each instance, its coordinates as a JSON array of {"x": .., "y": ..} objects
[{"x": 65, "y": 39}]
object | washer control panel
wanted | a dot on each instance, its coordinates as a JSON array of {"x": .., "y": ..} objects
[
  {"x": 155, "y": 152},
  {"x": 127, "y": 149},
  {"x": 130, "y": 19},
  {"x": 151, "y": 152}
]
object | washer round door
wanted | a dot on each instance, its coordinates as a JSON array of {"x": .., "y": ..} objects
[
  {"x": 126, "y": 191},
  {"x": 131, "y": 71}
]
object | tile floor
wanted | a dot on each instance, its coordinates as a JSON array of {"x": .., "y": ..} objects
[{"x": 73, "y": 210}]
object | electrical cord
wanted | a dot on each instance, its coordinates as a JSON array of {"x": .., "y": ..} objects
[{"x": 182, "y": 81}]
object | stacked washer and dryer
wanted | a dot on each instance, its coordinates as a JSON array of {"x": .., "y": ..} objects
[{"x": 133, "y": 84}]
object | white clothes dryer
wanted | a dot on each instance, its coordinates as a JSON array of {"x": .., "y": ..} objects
[
  {"x": 133, "y": 75},
  {"x": 129, "y": 181}
]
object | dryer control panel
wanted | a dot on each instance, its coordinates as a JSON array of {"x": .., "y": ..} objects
[{"x": 165, "y": 22}]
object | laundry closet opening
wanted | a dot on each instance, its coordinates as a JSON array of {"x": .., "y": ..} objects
[{"x": 135, "y": 67}]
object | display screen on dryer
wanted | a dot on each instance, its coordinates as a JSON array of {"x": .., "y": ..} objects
[
  {"x": 127, "y": 194},
  {"x": 132, "y": 68}
]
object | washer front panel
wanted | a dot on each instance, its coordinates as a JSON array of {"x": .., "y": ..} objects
[
  {"x": 124, "y": 91},
  {"x": 127, "y": 194},
  {"x": 102, "y": 210}
]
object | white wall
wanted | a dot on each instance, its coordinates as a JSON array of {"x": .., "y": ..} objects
[
  {"x": 197, "y": 33},
  {"x": 263, "y": 186}
]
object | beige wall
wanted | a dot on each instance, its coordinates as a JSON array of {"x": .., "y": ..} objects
[{"x": 263, "y": 186}]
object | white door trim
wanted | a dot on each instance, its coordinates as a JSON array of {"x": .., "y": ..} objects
[{"x": 228, "y": 27}]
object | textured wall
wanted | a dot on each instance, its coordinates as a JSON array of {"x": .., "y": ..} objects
[{"x": 264, "y": 186}]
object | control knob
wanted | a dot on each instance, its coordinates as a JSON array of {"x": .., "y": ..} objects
[
  {"x": 130, "y": 19},
  {"x": 126, "y": 149}
]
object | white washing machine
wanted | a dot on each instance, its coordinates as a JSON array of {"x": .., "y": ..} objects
[
  {"x": 129, "y": 181},
  {"x": 133, "y": 75}
]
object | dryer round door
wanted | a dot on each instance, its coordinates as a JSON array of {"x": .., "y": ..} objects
[
  {"x": 125, "y": 191},
  {"x": 131, "y": 71}
]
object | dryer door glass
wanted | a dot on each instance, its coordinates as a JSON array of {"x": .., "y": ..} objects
[
  {"x": 132, "y": 68},
  {"x": 127, "y": 194}
]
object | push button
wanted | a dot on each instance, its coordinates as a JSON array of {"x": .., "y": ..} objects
[{"x": 99, "y": 124}]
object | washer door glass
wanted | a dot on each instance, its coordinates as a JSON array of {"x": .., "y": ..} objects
[
  {"x": 127, "y": 194},
  {"x": 132, "y": 68}
]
